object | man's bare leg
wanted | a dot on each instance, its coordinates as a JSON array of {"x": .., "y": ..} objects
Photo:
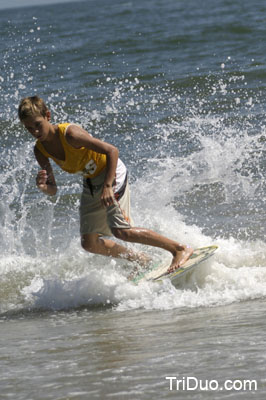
[
  {"x": 97, "y": 244},
  {"x": 180, "y": 253}
]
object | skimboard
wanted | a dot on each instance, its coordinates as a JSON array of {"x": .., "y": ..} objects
[{"x": 159, "y": 272}]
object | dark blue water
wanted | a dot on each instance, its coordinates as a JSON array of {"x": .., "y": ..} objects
[{"x": 179, "y": 87}]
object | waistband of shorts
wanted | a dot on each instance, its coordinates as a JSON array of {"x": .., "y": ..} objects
[{"x": 88, "y": 184}]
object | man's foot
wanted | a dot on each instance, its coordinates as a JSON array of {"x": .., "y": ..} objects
[
  {"x": 180, "y": 258},
  {"x": 143, "y": 262},
  {"x": 141, "y": 258}
]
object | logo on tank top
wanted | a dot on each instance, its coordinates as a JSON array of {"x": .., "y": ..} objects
[{"x": 90, "y": 168}]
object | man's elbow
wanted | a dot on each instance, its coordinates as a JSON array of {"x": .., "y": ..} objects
[{"x": 114, "y": 151}]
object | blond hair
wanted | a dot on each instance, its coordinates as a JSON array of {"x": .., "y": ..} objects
[{"x": 31, "y": 106}]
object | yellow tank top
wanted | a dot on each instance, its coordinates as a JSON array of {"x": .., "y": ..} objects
[{"x": 87, "y": 162}]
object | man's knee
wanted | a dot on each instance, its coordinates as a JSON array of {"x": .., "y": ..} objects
[
  {"x": 122, "y": 234},
  {"x": 89, "y": 243}
]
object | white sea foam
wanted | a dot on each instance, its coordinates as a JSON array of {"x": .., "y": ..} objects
[{"x": 237, "y": 272}]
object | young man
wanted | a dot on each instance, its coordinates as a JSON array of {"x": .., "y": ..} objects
[{"x": 105, "y": 202}]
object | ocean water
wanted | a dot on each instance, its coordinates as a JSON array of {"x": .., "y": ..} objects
[{"x": 179, "y": 87}]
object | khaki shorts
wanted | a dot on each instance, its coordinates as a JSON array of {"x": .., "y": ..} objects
[{"x": 94, "y": 218}]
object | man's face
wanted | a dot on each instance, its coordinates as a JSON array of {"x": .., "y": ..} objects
[{"x": 38, "y": 126}]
